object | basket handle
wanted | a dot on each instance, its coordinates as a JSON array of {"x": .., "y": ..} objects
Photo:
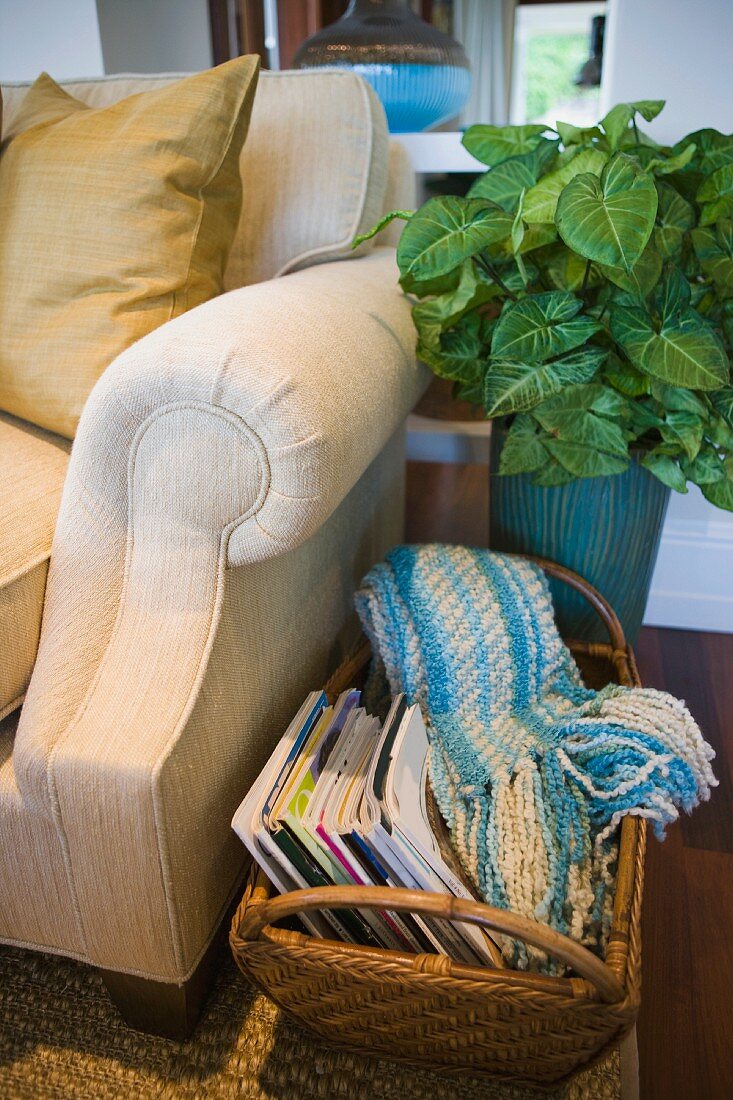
[
  {"x": 599, "y": 604},
  {"x": 257, "y": 916}
]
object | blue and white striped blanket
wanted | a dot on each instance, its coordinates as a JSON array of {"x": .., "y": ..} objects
[{"x": 532, "y": 771}]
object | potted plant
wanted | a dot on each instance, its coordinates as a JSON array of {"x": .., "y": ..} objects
[{"x": 582, "y": 294}]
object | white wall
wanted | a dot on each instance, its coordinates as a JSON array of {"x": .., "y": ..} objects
[
  {"x": 692, "y": 586},
  {"x": 680, "y": 50},
  {"x": 154, "y": 36},
  {"x": 60, "y": 36}
]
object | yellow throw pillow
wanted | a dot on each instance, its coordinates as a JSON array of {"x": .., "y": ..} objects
[{"x": 112, "y": 221}]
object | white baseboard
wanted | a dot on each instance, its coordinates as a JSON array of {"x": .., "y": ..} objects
[
  {"x": 692, "y": 586},
  {"x": 430, "y": 440}
]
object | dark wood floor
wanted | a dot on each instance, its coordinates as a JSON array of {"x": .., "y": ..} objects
[{"x": 686, "y": 1023}]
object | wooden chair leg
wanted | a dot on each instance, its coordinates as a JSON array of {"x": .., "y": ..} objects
[{"x": 163, "y": 1008}]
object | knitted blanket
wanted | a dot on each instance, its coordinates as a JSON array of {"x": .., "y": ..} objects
[{"x": 531, "y": 770}]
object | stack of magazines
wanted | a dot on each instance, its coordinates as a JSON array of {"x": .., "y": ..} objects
[{"x": 342, "y": 801}]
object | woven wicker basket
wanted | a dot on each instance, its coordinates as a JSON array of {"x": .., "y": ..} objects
[{"x": 429, "y": 1010}]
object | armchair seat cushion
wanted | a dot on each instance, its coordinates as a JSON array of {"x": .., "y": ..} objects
[{"x": 32, "y": 469}]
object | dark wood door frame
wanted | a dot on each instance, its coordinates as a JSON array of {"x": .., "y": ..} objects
[{"x": 237, "y": 27}]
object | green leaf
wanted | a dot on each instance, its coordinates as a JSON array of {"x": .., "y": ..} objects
[
  {"x": 567, "y": 270},
  {"x": 720, "y": 494},
  {"x": 722, "y": 401},
  {"x": 716, "y": 193},
  {"x": 540, "y": 327},
  {"x": 517, "y": 387},
  {"x": 460, "y": 350},
  {"x": 685, "y": 352},
  {"x": 625, "y": 378},
  {"x": 505, "y": 183},
  {"x": 718, "y": 157},
  {"x": 540, "y": 202},
  {"x": 454, "y": 354},
  {"x": 642, "y": 154},
  {"x": 471, "y": 389},
  {"x": 609, "y": 220},
  {"x": 673, "y": 293},
  {"x": 576, "y": 135},
  {"x": 721, "y": 434},
  {"x": 643, "y": 276},
  {"x": 644, "y": 418},
  {"x": 546, "y": 153},
  {"x": 584, "y": 397},
  {"x": 509, "y": 274},
  {"x": 522, "y": 452},
  {"x": 586, "y": 458},
  {"x": 706, "y": 468},
  {"x": 404, "y": 214},
  {"x": 714, "y": 250},
  {"x": 666, "y": 469},
  {"x": 493, "y": 145},
  {"x": 444, "y": 232},
  {"x": 437, "y": 314},
  {"x": 580, "y": 435},
  {"x": 517, "y": 234},
  {"x": 535, "y": 236},
  {"x": 616, "y": 122},
  {"x": 684, "y": 428},
  {"x": 675, "y": 399},
  {"x": 552, "y": 475},
  {"x": 663, "y": 166},
  {"x": 649, "y": 108},
  {"x": 517, "y": 237},
  {"x": 707, "y": 142},
  {"x": 639, "y": 145},
  {"x": 607, "y": 402},
  {"x": 674, "y": 217},
  {"x": 427, "y": 288},
  {"x": 726, "y": 320}
]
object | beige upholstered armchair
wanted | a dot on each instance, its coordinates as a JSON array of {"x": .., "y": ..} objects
[{"x": 171, "y": 589}]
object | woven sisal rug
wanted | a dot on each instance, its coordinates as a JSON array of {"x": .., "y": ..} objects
[{"x": 61, "y": 1038}]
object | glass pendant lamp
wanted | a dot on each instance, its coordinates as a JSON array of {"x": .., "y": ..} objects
[{"x": 421, "y": 75}]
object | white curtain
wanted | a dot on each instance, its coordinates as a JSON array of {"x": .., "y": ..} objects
[{"x": 485, "y": 28}]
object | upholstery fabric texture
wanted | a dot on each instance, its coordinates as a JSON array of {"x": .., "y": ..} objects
[
  {"x": 234, "y": 473},
  {"x": 158, "y": 799},
  {"x": 32, "y": 469},
  {"x": 314, "y": 165},
  {"x": 112, "y": 221},
  {"x": 252, "y": 432},
  {"x": 37, "y": 904},
  {"x": 401, "y": 192}
]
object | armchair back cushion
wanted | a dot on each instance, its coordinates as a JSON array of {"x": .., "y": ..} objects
[
  {"x": 112, "y": 221},
  {"x": 314, "y": 167}
]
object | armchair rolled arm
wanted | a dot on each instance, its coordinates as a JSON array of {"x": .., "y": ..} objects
[{"x": 226, "y": 437}]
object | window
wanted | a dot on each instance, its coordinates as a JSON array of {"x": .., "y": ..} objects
[{"x": 552, "y": 42}]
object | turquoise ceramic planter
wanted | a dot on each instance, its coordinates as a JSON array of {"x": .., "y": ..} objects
[{"x": 605, "y": 528}]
